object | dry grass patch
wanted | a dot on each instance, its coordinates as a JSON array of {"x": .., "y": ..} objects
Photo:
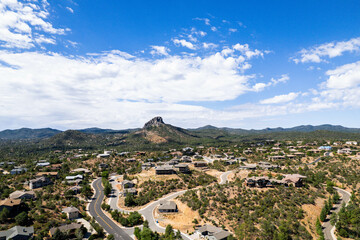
[
  {"x": 312, "y": 213},
  {"x": 150, "y": 174},
  {"x": 182, "y": 220}
]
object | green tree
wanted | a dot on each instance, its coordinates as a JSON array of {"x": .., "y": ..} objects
[
  {"x": 22, "y": 219},
  {"x": 137, "y": 233},
  {"x": 4, "y": 215},
  {"x": 169, "y": 232}
]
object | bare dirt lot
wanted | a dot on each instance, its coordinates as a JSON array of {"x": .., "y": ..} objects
[{"x": 183, "y": 220}]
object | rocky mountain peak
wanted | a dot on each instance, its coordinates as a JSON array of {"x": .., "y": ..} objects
[{"x": 155, "y": 122}]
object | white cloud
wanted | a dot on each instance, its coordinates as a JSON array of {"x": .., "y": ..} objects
[
  {"x": 184, "y": 43},
  {"x": 233, "y": 30},
  {"x": 334, "y": 49},
  {"x": 346, "y": 76},
  {"x": 214, "y": 29},
  {"x": 209, "y": 45},
  {"x": 258, "y": 87},
  {"x": 22, "y": 24},
  {"x": 159, "y": 50},
  {"x": 280, "y": 98},
  {"x": 205, "y": 20},
  {"x": 70, "y": 9}
]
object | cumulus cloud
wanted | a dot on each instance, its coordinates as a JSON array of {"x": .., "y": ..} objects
[
  {"x": 280, "y": 98},
  {"x": 159, "y": 50},
  {"x": 346, "y": 76},
  {"x": 209, "y": 45},
  {"x": 184, "y": 43},
  {"x": 23, "y": 24},
  {"x": 232, "y": 30},
  {"x": 334, "y": 49}
]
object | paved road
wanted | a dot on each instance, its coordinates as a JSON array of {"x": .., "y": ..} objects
[
  {"x": 224, "y": 176},
  {"x": 326, "y": 154},
  {"x": 328, "y": 229},
  {"x": 96, "y": 211},
  {"x": 207, "y": 159}
]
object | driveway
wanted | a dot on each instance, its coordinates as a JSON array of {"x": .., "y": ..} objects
[{"x": 329, "y": 229}]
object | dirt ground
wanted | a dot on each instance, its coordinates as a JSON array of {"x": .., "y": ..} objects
[
  {"x": 311, "y": 214},
  {"x": 214, "y": 173},
  {"x": 181, "y": 220},
  {"x": 146, "y": 175}
]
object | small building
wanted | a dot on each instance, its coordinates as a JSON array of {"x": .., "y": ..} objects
[
  {"x": 248, "y": 167},
  {"x": 267, "y": 165},
  {"x": 71, "y": 212},
  {"x": 127, "y": 191},
  {"x": 18, "y": 170},
  {"x": 173, "y": 162},
  {"x": 39, "y": 182},
  {"x": 211, "y": 232},
  {"x": 42, "y": 164},
  {"x": 103, "y": 166},
  {"x": 277, "y": 157},
  {"x": 230, "y": 162},
  {"x": 295, "y": 179},
  {"x": 165, "y": 170},
  {"x": 127, "y": 184},
  {"x": 82, "y": 170},
  {"x": 187, "y": 158},
  {"x": 76, "y": 189},
  {"x": 72, "y": 178},
  {"x": 200, "y": 164},
  {"x": 182, "y": 168},
  {"x": 130, "y": 160},
  {"x": 326, "y": 148},
  {"x": 147, "y": 165},
  {"x": 69, "y": 228},
  {"x": 10, "y": 204},
  {"x": 22, "y": 195},
  {"x": 17, "y": 233},
  {"x": 351, "y": 143},
  {"x": 168, "y": 207},
  {"x": 347, "y": 151},
  {"x": 103, "y": 155}
]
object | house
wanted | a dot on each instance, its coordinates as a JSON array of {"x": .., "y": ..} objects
[
  {"x": 248, "y": 167},
  {"x": 71, "y": 212},
  {"x": 127, "y": 184},
  {"x": 10, "y": 204},
  {"x": 211, "y": 232},
  {"x": 167, "y": 207},
  {"x": 182, "y": 168},
  {"x": 242, "y": 159},
  {"x": 277, "y": 157},
  {"x": 186, "y": 158},
  {"x": 247, "y": 151},
  {"x": 18, "y": 170},
  {"x": 200, "y": 164},
  {"x": 267, "y": 165},
  {"x": 173, "y": 162},
  {"x": 166, "y": 169},
  {"x": 22, "y": 195},
  {"x": 39, "y": 182},
  {"x": 187, "y": 149},
  {"x": 72, "y": 178},
  {"x": 82, "y": 170},
  {"x": 258, "y": 182},
  {"x": 147, "y": 165},
  {"x": 294, "y": 179},
  {"x": 55, "y": 167},
  {"x": 69, "y": 228},
  {"x": 76, "y": 189},
  {"x": 351, "y": 143},
  {"x": 42, "y": 164},
  {"x": 326, "y": 148},
  {"x": 103, "y": 155},
  {"x": 103, "y": 166},
  {"x": 345, "y": 151},
  {"x": 131, "y": 191},
  {"x": 130, "y": 160},
  {"x": 17, "y": 233},
  {"x": 230, "y": 162}
]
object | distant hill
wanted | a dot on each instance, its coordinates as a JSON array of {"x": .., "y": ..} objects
[
  {"x": 156, "y": 131},
  {"x": 95, "y": 130},
  {"x": 28, "y": 133}
]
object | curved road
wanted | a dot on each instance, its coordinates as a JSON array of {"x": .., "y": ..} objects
[
  {"x": 328, "y": 228},
  {"x": 96, "y": 211}
]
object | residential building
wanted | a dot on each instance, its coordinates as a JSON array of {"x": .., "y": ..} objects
[
  {"x": 18, "y": 170},
  {"x": 182, "y": 168},
  {"x": 22, "y": 195},
  {"x": 127, "y": 184},
  {"x": 127, "y": 191},
  {"x": 17, "y": 233},
  {"x": 200, "y": 164},
  {"x": 72, "y": 178},
  {"x": 167, "y": 207},
  {"x": 163, "y": 170},
  {"x": 11, "y": 204},
  {"x": 248, "y": 167},
  {"x": 39, "y": 182},
  {"x": 211, "y": 232},
  {"x": 71, "y": 212}
]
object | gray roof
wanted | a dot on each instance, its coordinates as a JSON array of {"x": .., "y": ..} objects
[
  {"x": 17, "y": 231},
  {"x": 168, "y": 205},
  {"x": 70, "y": 210},
  {"x": 216, "y": 232}
]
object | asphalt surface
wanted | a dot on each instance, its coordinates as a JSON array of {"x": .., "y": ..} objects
[
  {"x": 327, "y": 227},
  {"x": 96, "y": 211},
  {"x": 224, "y": 176}
]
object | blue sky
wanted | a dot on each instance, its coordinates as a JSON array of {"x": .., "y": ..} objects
[{"x": 247, "y": 64}]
